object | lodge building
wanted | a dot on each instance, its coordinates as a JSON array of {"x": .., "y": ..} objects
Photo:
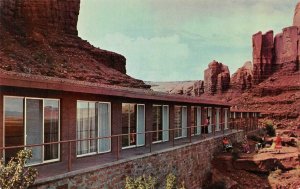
[{"x": 65, "y": 121}]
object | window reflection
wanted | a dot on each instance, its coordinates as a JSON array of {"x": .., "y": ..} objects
[
  {"x": 129, "y": 124},
  {"x": 14, "y": 125},
  {"x": 157, "y": 123},
  {"x": 41, "y": 121},
  {"x": 51, "y": 128}
]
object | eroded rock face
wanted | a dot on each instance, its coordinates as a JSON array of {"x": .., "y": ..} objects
[
  {"x": 41, "y": 15},
  {"x": 39, "y": 37},
  {"x": 296, "y": 20},
  {"x": 286, "y": 48},
  {"x": 216, "y": 78},
  {"x": 242, "y": 78},
  {"x": 280, "y": 53},
  {"x": 263, "y": 45},
  {"x": 198, "y": 88}
]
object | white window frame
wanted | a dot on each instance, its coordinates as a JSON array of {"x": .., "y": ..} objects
[
  {"x": 90, "y": 153},
  {"x": 182, "y": 129},
  {"x": 165, "y": 131},
  {"x": 156, "y": 131},
  {"x": 109, "y": 122},
  {"x": 198, "y": 120},
  {"x": 137, "y": 128},
  {"x": 97, "y": 140},
  {"x": 136, "y": 136},
  {"x": 24, "y": 132}
]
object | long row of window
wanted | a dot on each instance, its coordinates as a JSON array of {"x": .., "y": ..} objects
[{"x": 37, "y": 120}]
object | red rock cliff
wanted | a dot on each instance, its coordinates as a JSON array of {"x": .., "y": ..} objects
[
  {"x": 242, "y": 78},
  {"x": 40, "y": 37},
  {"x": 262, "y": 55},
  {"x": 41, "y": 15},
  {"x": 216, "y": 78},
  {"x": 279, "y": 53}
]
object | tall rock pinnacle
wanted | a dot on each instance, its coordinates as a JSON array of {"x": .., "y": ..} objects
[{"x": 296, "y": 21}]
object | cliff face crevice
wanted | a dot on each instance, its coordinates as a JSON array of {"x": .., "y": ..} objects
[{"x": 40, "y": 37}]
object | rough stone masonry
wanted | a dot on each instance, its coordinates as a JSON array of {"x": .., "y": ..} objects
[{"x": 191, "y": 163}]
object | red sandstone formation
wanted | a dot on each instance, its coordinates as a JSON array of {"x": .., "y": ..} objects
[
  {"x": 286, "y": 52},
  {"x": 216, "y": 78},
  {"x": 296, "y": 20},
  {"x": 282, "y": 52},
  {"x": 40, "y": 37},
  {"x": 262, "y": 55},
  {"x": 242, "y": 78},
  {"x": 198, "y": 88},
  {"x": 42, "y": 16}
]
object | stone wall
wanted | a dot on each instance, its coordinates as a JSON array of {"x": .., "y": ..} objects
[{"x": 191, "y": 163}]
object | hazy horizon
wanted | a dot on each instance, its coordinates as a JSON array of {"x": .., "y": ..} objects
[{"x": 172, "y": 40}]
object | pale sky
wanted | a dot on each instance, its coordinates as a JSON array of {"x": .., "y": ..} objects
[{"x": 172, "y": 40}]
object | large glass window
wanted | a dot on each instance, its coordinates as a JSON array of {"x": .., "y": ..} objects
[
  {"x": 14, "y": 125},
  {"x": 160, "y": 122},
  {"x": 93, "y": 120},
  {"x": 34, "y": 128},
  {"x": 180, "y": 122},
  {"x": 104, "y": 144},
  {"x": 86, "y": 127},
  {"x": 51, "y": 128},
  {"x": 157, "y": 123},
  {"x": 30, "y": 121},
  {"x": 133, "y": 121},
  {"x": 196, "y": 120}
]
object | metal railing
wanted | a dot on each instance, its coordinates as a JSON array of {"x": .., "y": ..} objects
[{"x": 233, "y": 125}]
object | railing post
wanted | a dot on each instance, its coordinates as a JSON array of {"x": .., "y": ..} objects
[
  {"x": 118, "y": 147},
  {"x": 70, "y": 156}
]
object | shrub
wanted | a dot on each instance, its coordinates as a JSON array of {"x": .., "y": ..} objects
[
  {"x": 140, "y": 183},
  {"x": 143, "y": 182},
  {"x": 269, "y": 127},
  {"x": 170, "y": 181},
  {"x": 15, "y": 174}
]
